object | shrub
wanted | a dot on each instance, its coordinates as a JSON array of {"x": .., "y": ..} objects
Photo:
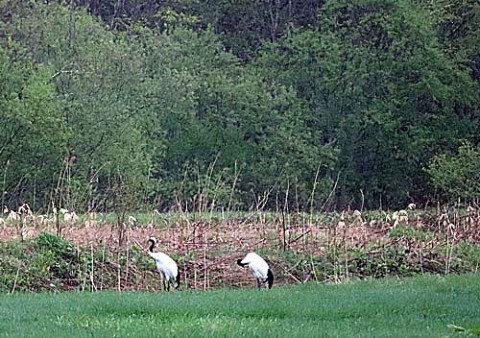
[{"x": 456, "y": 175}]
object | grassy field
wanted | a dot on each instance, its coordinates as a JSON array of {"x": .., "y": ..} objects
[{"x": 420, "y": 306}]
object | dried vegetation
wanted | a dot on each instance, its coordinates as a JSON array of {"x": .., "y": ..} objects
[{"x": 328, "y": 247}]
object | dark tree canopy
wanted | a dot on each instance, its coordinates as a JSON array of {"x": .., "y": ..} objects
[{"x": 303, "y": 105}]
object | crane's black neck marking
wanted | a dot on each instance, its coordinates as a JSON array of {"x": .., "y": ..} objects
[
  {"x": 239, "y": 262},
  {"x": 152, "y": 245}
]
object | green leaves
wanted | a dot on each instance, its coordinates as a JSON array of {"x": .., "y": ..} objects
[
  {"x": 365, "y": 96},
  {"x": 378, "y": 85},
  {"x": 455, "y": 175},
  {"x": 32, "y": 132}
]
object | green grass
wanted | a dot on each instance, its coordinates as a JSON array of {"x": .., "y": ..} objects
[{"x": 421, "y": 306}]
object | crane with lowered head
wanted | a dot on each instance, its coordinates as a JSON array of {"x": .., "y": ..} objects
[{"x": 259, "y": 268}]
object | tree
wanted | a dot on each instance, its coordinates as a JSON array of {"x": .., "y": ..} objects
[
  {"x": 242, "y": 26},
  {"x": 95, "y": 77},
  {"x": 380, "y": 87},
  {"x": 458, "y": 23},
  {"x": 33, "y": 134},
  {"x": 219, "y": 113}
]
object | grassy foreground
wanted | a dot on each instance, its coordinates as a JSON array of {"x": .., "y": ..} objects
[{"x": 421, "y": 306}]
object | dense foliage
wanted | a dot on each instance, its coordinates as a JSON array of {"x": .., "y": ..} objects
[{"x": 237, "y": 105}]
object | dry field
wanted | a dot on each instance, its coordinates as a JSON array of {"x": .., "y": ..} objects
[{"x": 299, "y": 247}]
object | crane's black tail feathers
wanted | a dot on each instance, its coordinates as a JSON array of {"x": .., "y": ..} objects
[{"x": 269, "y": 278}]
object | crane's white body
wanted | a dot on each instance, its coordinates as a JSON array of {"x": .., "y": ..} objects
[
  {"x": 165, "y": 265},
  {"x": 259, "y": 268}
]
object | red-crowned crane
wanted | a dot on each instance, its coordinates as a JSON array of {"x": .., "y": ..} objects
[
  {"x": 165, "y": 265},
  {"x": 259, "y": 268}
]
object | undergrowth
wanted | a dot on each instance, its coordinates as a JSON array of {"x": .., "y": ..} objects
[{"x": 299, "y": 248}]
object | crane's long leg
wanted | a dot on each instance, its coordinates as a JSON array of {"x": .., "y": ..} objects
[{"x": 163, "y": 282}]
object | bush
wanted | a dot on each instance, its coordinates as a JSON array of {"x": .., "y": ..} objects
[
  {"x": 46, "y": 263},
  {"x": 456, "y": 175}
]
